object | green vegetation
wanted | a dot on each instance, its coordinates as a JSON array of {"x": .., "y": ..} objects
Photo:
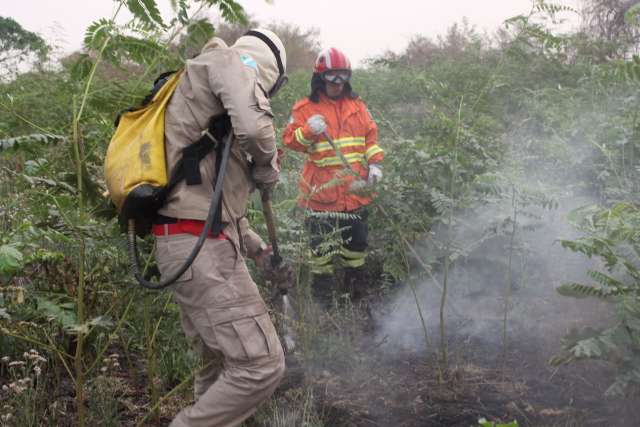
[{"x": 484, "y": 423}]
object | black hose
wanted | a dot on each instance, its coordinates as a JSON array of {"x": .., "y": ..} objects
[{"x": 215, "y": 201}]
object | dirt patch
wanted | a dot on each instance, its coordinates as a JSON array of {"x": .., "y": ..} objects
[{"x": 409, "y": 389}]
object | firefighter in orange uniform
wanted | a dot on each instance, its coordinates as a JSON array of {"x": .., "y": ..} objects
[{"x": 327, "y": 188}]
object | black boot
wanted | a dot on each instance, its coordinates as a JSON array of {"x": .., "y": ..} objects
[
  {"x": 323, "y": 290},
  {"x": 356, "y": 283}
]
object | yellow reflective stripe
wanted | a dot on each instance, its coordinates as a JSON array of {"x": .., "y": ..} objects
[
  {"x": 336, "y": 161},
  {"x": 341, "y": 143},
  {"x": 322, "y": 269},
  {"x": 354, "y": 263},
  {"x": 373, "y": 150},
  {"x": 300, "y": 137},
  {"x": 346, "y": 253},
  {"x": 352, "y": 258},
  {"x": 321, "y": 264}
]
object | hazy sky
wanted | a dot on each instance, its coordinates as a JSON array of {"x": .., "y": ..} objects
[{"x": 361, "y": 28}]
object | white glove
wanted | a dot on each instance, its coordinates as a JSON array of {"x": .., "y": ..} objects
[
  {"x": 317, "y": 124},
  {"x": 375, "y": 173}
]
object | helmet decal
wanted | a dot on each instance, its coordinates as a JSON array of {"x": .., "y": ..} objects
[
  {"x": 331, "y": 59},
  {"x": 249, "y": 61},
  {"x": 282, "y": 77}
]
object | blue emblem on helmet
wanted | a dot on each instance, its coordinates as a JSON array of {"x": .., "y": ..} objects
[{"x": 249, "y": 61}]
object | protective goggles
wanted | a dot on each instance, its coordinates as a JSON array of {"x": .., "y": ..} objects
[{"x": 336, "y": 77}]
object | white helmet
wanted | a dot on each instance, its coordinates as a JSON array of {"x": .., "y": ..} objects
[{"x": 266, "y": 48}]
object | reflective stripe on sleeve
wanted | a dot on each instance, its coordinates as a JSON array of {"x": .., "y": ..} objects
[
  {"x": 373, "y": 150},
  {"x": 300, "y": 137}
]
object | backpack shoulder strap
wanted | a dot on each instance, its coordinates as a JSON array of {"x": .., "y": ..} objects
[
  {"x": 157, "y": 85},
  {"x": 188, "y": 167}
]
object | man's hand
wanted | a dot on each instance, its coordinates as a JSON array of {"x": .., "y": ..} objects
[
  {"x": 266, "y": 186},
  {"x": 317, "y": 124},
  {"x": 263, "y": 258},
  {"x": 281, "y": 275},
  {"x": 265, "y": 177}
]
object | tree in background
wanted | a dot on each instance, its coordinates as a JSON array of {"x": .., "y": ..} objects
[
  {"x": 302, "y": 45},
  {"x": 18, "y": 45},
  {"x": 422, "y": 51},
  {"x": 607, "y": 22}
]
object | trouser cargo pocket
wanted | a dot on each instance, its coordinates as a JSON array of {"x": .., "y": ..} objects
[
  {"x": 169, "y": 268},
  {"x": 244, "y": 333}
]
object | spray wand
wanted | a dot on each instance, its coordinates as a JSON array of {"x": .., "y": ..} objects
[{"x": 280, "y": 275}]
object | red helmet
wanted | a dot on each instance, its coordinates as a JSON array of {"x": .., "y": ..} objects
[{"x": 331, "y": 59}]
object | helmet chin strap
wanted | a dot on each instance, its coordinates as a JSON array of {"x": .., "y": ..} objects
[{"x": 282, "y": 77}]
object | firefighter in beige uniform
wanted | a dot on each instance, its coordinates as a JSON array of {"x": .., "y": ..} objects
[{"x": 221, "y": 308}]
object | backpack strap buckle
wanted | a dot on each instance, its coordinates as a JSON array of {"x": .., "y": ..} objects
[{"x": 207, "y": 133}]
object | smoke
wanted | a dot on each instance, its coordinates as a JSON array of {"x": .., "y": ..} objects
[
  {"x": 489, "y": 265},
  {"x": 477, "y": 283}
]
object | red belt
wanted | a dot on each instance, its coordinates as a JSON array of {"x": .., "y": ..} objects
[{"x": 184, "y": 226}]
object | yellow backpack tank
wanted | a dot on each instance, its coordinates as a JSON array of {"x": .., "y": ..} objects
[
  {"x": 135, "y": 165},
  {"x": 138, "y": 182}
]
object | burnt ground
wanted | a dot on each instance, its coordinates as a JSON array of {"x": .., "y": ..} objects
[
  {"x": 375, "y": 380},
  {"x": 409, "y": 389},
  {"x": 369, "y": 381},
  {"x": 372, "y": 382},
  {"x": 348, "y": 374},
  {"x": 388, "y": 377}
]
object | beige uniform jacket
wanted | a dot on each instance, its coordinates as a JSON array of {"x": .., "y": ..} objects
[{"x": 214, "y": 82}]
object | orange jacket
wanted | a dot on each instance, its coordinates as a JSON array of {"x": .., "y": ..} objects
[{"x": 324, "y": 184}]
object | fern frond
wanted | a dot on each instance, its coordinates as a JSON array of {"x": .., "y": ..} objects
[
  {"x": 630, "y": 259},
  {"x": 199, "y": 32},
  {"x": 139, "y": 50},
  {"x": 578, "y": 290},
  {"x": 97, "y": 33},
  {"x": 25, "y": 139},
  {"x": 441, "y": 202},
  {"x": 182, "y": 10},
  {"x": 623, "y": 380},
  {"x": 606, "y": 281},
  {"x": 578, "y": 245},
  {"x": 529, "y": 215},
  {"x": 81, "y": 67},
  {"x": 561, "y": 360},
  {"x": 147, "y": 12},
  {"x": 553, "y": 8},
  {"x": 491, "y": 183},
  {"x": 589, "y": 348},
  {"x": 230, "y": 10}
]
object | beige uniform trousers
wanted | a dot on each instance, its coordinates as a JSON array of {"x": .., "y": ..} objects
[{"x": 222, "y": 312}]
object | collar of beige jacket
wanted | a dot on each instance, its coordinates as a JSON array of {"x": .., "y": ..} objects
[{"x": 214, "y": 43}]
